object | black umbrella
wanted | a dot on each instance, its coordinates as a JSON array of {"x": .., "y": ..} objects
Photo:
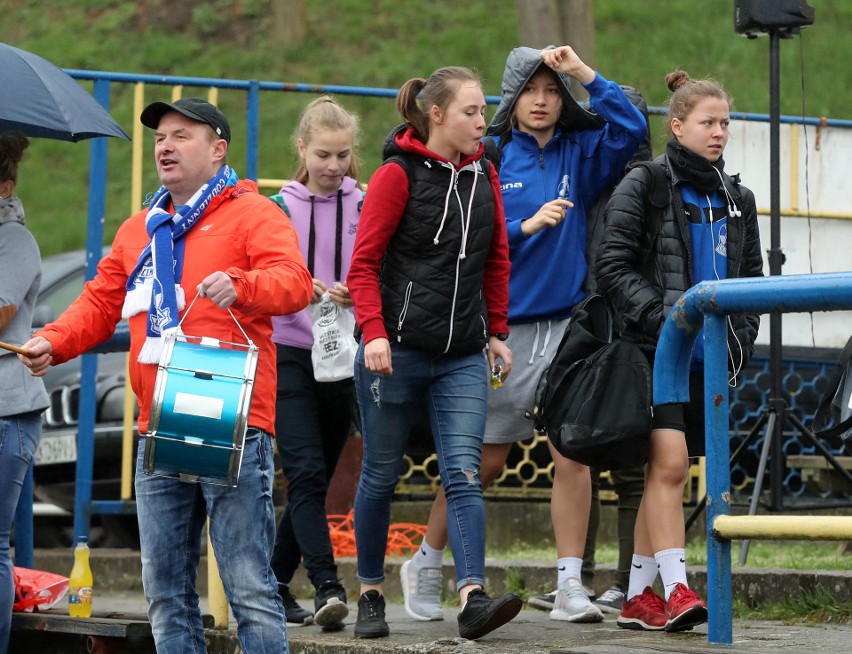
[{"x": 41, "y": 100}]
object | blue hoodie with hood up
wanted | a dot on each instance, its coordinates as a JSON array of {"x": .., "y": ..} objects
[{"x": 587, "y": 153}]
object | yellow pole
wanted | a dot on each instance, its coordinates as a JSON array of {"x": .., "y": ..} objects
[
  {"x": 127, "y": 434},
  {"x": 794, "y": 167},
  {"x": 783, "y": 527},
  {"x": 271, "y": 183},
  {"x": 138, "y": 138},
  {"x": 216, "y": 599},
  {"x": 127, "y": 454},
  {"x": 799, "y": 213},
  {"x": 702, "y": 477}
]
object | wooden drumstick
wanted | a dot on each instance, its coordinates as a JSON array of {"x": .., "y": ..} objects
[{"x": 15, "y": 348}]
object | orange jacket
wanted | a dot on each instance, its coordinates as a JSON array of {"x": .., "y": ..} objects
[{"x": 241, "y": 233}]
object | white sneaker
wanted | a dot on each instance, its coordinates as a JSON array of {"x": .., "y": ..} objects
[
  {"x": 421, "y": 588},
  {"x": 573, "y": 604}
]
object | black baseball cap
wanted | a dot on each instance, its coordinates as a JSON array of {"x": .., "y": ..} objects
[{"x": 194, "y": 108}]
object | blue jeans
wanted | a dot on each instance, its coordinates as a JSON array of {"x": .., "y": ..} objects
[
  {"x": 454, "y": 390},
  {"x": 312, "y": 423},
  {"x": 19, "y": 436},
  {"x": 242, "y": 528}
]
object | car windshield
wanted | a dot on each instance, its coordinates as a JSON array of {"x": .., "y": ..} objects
[{"x": 62, "y": 279}]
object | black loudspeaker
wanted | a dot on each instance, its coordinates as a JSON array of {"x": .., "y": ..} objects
[{"x": 786, "y": 17}]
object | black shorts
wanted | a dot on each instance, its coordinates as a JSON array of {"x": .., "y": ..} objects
[{"x": 687, "y": 417}]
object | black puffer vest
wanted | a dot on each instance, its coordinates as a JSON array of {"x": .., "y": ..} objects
[{"x": 432, "y": 273}]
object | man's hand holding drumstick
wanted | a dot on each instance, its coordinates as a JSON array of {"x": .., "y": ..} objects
[
  {"x": 38, "y": 357},
  {"x": 7, "y": 312}
]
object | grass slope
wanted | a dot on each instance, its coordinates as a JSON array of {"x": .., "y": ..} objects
[{"x": 378, "y": 43}]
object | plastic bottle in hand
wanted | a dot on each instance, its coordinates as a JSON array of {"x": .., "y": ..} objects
[{"x": 80, "y": 582}]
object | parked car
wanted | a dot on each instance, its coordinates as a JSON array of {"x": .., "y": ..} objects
[{"x": 63, "y": 276}]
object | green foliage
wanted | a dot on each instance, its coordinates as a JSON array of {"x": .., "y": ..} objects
[
  {"x": 375, "y": 43},
  {"x": 817, "y": 608},
  {"x": 792, "y": 555},
  {"x": 515, "y": 583}
]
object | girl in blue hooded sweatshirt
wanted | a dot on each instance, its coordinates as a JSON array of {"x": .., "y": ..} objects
[{"x": 313, "y": 419}]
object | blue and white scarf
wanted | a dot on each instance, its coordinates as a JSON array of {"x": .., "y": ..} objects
[{"x": 154, "y": 284}]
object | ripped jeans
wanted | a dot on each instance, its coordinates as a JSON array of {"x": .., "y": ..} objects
[{"x": 454, "y": 390}]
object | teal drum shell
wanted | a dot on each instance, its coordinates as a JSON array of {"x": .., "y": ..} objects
[{"x": 199, "y": 414}]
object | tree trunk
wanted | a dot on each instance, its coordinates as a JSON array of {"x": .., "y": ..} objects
[
  {"x": 289, "y": 22},
  {"x": 578, "y": 28},
  {"x": 559, "y": 22},
  {"x": 538, "y": 23}
]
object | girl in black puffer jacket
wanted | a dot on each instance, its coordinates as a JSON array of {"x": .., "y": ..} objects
[{"x": 706, "y": 230}]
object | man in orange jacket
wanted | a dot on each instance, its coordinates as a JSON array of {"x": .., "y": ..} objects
[{"x": 206, "y": 233}]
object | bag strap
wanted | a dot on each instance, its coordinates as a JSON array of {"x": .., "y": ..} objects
[
  {"x": 823, "y": 412},
  {"x": 838, "y": 429},
  {"x": 656, "y": 200},
  {"x": 493, "y": 152},
  {"x": 279, "y": 200},
  {"x": 600, "y": 312}
]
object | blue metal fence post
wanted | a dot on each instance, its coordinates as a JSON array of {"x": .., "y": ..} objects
[
  {"x": 89, "y": 363},
  {"x": 252, "y": 128},
  {"x": 719, "y": 594},
  {"x": 784, "y": 294}
]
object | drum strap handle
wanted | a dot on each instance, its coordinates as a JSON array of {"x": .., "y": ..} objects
[{"x": 228, "y": 309}]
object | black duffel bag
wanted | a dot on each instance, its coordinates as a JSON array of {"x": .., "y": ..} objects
[{"x": 594, "y": 399}]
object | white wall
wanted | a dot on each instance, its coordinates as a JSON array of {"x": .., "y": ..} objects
[{"x": 816, "y": 245}]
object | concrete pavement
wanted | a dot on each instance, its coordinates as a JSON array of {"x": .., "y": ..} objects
[
  {"x": 532, "y": 632},
  {"x": 117, "y": 589}
]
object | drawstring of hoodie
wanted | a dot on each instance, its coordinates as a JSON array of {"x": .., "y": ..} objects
[
  {"x": 536, "y": 339},
  {"x": 338, "y": 239},
  {"x": 446, "y": 206},
  {"x": 312, "y": 240},
  {"x": 466, "y": 223},
  {"x": 465, "y": 219}
]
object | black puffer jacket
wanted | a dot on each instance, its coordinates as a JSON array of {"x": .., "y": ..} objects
[{"x": 644, "y": 292}]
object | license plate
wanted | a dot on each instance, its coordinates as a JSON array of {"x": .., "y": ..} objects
[{"x": 61, "y": 448}]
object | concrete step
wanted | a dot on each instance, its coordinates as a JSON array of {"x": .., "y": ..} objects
[{"x": 121, "y": 570}]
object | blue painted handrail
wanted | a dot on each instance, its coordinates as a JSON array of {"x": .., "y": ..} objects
[{"x": 708, "y": 304}]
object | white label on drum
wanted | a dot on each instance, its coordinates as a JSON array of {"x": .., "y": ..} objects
[{"x": 199, "y": 405}]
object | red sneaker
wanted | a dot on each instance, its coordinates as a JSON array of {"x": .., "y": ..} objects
[
  {"x": 684, "y": 609},
  {"x": 646, "y": 611}
]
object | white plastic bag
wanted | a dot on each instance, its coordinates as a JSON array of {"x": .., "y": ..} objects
[{"x": 333, "y": 353}]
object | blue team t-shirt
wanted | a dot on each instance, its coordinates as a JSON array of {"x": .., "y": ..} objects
[{"x": 708, "y": 232}]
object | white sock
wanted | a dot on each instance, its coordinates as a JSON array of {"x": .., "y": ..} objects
[
  {"x": 568, "y": 567},
  {"x": 672, "y": 564},
  {"x": 643, "y": 573},
  {"x": 427, "y": 557}
]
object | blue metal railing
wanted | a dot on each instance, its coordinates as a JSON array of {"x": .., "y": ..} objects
[
  {"x": 97, "y": 200},
  {"x": 708, "y": 304}
]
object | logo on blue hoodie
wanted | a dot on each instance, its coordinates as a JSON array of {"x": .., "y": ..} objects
[{"x": 564, "y": 187}]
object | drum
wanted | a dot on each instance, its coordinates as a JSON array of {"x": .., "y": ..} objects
[{"x": 199, "y": 413}]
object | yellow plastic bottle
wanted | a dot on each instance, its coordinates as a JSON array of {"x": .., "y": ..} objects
[{"x": 80, "y": 582}]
